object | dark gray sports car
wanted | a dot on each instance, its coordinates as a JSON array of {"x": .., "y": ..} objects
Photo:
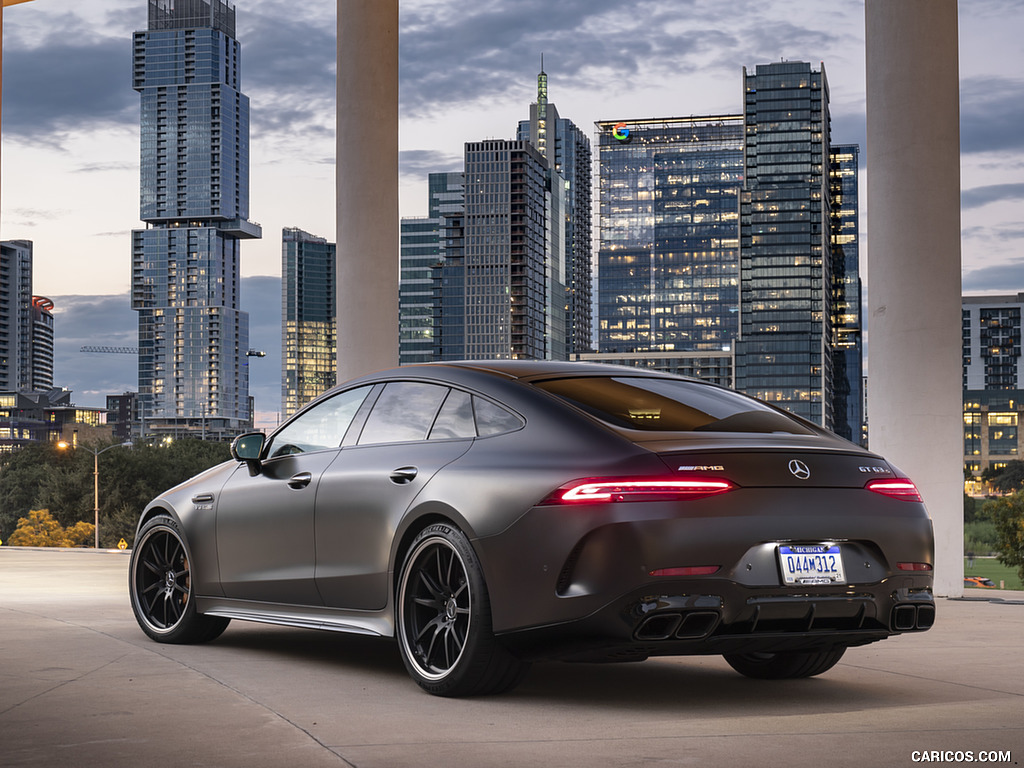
[{"x": 491, "y": 513}]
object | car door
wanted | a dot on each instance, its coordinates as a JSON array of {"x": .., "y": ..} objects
[
  {"x": 413, "y": 429},
  {"x": 265, "y": 537}
]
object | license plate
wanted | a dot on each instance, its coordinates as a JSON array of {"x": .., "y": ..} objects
[{"x": 811, "y": 564}]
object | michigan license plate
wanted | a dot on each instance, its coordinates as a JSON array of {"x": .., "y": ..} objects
[{"x": 811, "y": 564}]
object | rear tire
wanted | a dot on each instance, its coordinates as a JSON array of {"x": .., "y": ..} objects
[
  {"x": 444, "y": 619},
  {"x": 785, "y": 666},
  {"x": 160, "y": 585}
]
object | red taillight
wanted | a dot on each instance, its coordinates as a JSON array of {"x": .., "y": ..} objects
[
  {"x": 598, "y": 490},
  {"x": 896, "y": 488},
  {"x": 687, "y": 570},
  {"x": 914, "y": 566}
]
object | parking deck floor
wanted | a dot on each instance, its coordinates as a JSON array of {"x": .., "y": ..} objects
[{"x": 80, "y": 685}]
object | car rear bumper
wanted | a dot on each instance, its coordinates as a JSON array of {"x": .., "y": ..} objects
[
  {"x": 565, "y": 580},
  {"x": 729, "y": 618}
]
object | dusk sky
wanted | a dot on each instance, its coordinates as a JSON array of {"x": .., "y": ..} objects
[{"x": 468, "y": 72}]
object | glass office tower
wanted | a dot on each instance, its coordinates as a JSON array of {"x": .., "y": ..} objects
[
  {"x": 785, "y": 351},
  {"x": 309, "y": 346},
  {"x": 420, "y": 251},
  {"x": 669, "y": 255},
  {"x": 427, "y": 245},
  {"x": 505, "y": 231},
  {"x": 491, "y": 289},
  {"x": 848, "y": 365},
  {"x": 195, "y": 202}
]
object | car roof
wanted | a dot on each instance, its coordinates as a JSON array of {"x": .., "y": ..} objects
[{"x": 530, "y": 369}]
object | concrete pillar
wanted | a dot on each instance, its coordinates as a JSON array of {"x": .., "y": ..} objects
[
  {"x": 1, "y": 77},
  {"x": 913, "y": 218},
  {"x": 367, "y": 186}
]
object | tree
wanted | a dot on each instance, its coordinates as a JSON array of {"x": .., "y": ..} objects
[
  {"x": 22, "y": 473},
  {"x": 970, "y": 509},
  {"x": 1008, "y": 479},
  {"x": 43, "y": 477},
  {"x": 1008, "y": 516},
  {"x": 39, "y": 529}
]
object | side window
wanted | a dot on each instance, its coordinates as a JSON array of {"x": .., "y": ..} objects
[
  {"x": 455, "y": 418},
  {"x": 321, "y": 427},
  {"x": 492, "y": 419},
  {"x": 403, "y": 412}
]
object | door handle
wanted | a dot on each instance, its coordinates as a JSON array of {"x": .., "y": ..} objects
[
  {"x": 403, "y": 475},
  {"x": 301, "y": 480}
]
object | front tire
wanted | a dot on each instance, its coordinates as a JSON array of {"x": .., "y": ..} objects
[
  {"x": 160, "y": 585},
  {"x": 785, "y": 666},
  {"x": 444, "y": 619}
]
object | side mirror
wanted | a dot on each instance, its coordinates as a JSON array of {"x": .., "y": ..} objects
[{"x": 249, "y": 448}]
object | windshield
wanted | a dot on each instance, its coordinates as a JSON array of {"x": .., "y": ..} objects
[{"x": 670, "y": 405}]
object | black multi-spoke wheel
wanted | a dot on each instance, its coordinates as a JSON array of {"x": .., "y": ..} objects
[
  {"x": 160, "y": 582},
  {"x": 785, "y": 666},
  {"x": 444, "y": 622}
]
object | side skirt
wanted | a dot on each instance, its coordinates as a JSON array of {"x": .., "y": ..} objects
[{"x": 372, "y": 623}]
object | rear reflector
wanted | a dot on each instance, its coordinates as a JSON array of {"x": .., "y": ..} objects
[
  {"x": 687, "y": 570},
  {"x": 897, "y": 488},
  {"x": 914, "y": 566},
  {"x": 598, "y": 490}
]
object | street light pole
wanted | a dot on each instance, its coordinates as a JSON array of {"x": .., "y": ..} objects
[
  {"x": 96, "y": 485},
  {"x": 95, "y": 480},
  {"x": 96, "y": 497}
]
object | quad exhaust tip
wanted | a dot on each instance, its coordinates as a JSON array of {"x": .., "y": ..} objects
[
  {"x": 910, "y": 617},
  {"x": 692, "y": 625}
]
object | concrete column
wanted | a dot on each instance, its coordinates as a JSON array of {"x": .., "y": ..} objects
[
  {"x": 367, "y": 186},
  {"x": 1, "y": 73},
  {"x": 913, "y": 217}
]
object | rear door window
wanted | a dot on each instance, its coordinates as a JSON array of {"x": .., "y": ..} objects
[{"x": 404, "y": 412}]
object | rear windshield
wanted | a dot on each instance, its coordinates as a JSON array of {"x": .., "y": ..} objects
[{"x": 669, "y": 405}]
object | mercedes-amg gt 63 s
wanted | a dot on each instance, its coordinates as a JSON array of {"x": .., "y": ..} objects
[{"x": 491, "y": 513}]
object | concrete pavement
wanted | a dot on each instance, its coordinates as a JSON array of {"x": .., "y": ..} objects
[{"x": 80, "y": 685}]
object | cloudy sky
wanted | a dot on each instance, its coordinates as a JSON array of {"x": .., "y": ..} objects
[{"x": 468, "y": 72}]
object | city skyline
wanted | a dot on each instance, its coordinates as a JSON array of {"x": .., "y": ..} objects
[{"x": 602, "y": 63}]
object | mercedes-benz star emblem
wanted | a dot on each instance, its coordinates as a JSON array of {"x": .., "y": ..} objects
[{"x": 800, "y": 470}]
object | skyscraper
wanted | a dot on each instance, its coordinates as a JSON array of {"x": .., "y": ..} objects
[
  {"x": 448, "y": 274},
  {"x": 669, "y": 255},
  {"x": 309, "y": 318},
  {"x": 426, "y": 243},
  {"x": 42, "y": 344},
  {"x": 506, "y": 286},
  {"x": 993, "y": 377},
  {"x": 847, "y": 324},
  {"x": 567, "y": 151},
  {"x": 784, "y": 354},
  {"x": 195, "y": 202},
  {"x": 16, "y": 316},
  {"x": 493, "y": 287}
]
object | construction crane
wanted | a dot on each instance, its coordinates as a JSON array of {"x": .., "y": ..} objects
[
  {"x": 135, "y": 351},
  {"x": 111, "y": 350}
]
